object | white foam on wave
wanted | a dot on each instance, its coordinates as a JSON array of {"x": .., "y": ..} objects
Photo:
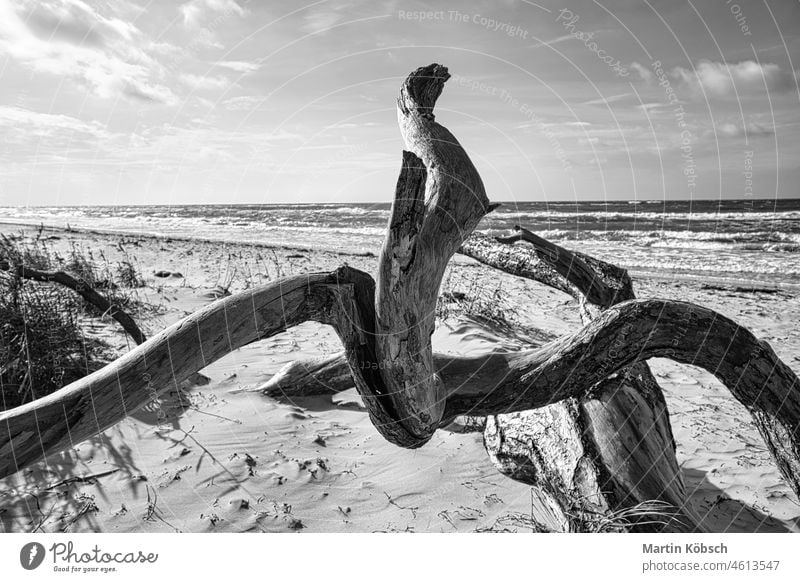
[{"x": 748, "y": 253}]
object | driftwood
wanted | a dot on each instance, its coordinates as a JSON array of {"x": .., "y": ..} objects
[
  {"x": 595, "y": 456},
  {"x": 409, "y": 392},
  {"x": 84, "y": 290}
]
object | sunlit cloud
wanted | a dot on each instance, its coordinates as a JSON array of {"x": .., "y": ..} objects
[
  {"x": 68, "y": 38},
  {"x": 751, "y": 129},
  {"x": 203, "y": 82},
  {"x": 239, "y": 66},
  {"x": 727, "y": 80},
  {"x": 198, "y": 12}
]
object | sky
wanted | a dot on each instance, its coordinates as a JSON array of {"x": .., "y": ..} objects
[{"x": 242, "y": 101}]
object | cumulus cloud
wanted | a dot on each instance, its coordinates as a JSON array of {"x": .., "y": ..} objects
[
  {"x": 72, "y": 39},
  {"x": 751, "y": 129},
  {"x": 320, "y": 21},
  {"x": 643, "y": 72},
  {"x": 203, "y": 18},
  {"x": 243, "y": 103},
  {"x": 239, "y": 66},
  {"x": 204, "y": 82},
  {"x": 726, "y": 80},
  {"x": 76, "y": 22},
  {"x": 42, "y": 138},
  {"x": 46, "y": 123},
  {"x": 173, "y": 146},
  {"x": 197, "y": 12},
  {"x": 609, "y": 99}
]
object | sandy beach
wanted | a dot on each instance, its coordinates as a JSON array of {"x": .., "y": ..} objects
[{"x": 223, "y": 457}]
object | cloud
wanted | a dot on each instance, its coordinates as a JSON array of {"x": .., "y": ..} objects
[
  {"x": 726, "y": 80},
  {"x": 44, "y": 138},
  {"x": 197, "y": 12},
  {"x": 553, "y": 41},
  {"x": 644, "y": 73},
  {"x": 239, "y": 66},
  {"x": 319, "y": 21},
  {"x": 655, "y": 109},
  {"x": 68, "y": 38},
  {"x": 147, "y": 93},
  {"x": 76, "y": 22},
  {"x": 203, "y": 82},
  {"x": 47, "y": 123},
  {"x": 202, "y": 147},
  {"x": 204, "y": 17},
  {"x": 751, "y": 129},
  {"x": 244, "y": 103},
  {"x": 609, "y": 99}
]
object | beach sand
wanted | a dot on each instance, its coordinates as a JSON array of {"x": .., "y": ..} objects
[{"x": 224, "y": 457}]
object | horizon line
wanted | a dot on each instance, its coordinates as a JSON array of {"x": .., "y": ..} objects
[{"x": 501, "y": 202}]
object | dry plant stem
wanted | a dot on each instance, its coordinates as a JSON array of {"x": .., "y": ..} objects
[{"x": 84, "y": 290}]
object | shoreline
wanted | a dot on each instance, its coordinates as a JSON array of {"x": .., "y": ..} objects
[
  {"x": 168, "y": 237},
  {"x": 751, "y": 285}
]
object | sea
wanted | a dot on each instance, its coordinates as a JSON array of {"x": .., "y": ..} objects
[{"x": 745, "y": 242}]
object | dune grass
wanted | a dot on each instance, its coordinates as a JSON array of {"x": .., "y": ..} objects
[{"x": 43, "y": 340}]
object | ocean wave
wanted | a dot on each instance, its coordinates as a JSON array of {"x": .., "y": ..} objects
[
  {"x": 768, "y": 240},
  {"x": 651, "y": 216}
]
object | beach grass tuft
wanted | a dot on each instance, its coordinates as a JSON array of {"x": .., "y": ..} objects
[{"x": 44, "y": 343}]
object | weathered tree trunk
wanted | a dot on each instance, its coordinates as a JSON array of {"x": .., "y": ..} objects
[
  {"x": 593, "y": 457},
  {"x": 590, "y": 457},
  {"x": 408, "y": 391}
]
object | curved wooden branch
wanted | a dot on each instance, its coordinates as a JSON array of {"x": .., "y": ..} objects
[
  {"x": 438, "y": 202},
  {"x": 493, "y": 384},
  {"x": 635, "y": 331},
  {"x": 98, "y": 401},
  {"x": 331, "y": 374},
  {"x": 84, "y": 290},
  {"x": 595, "y": 455},
  {"x": 313, "y": 377},
  {"x": 569, "y": 265},
  {"x": 625, "y": 334}
]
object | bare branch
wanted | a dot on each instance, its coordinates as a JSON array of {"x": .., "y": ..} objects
[
  {"x": 635, "y": 331},
  {"x": 96, "y": 402},
  {"x": 84, "y": 290}
]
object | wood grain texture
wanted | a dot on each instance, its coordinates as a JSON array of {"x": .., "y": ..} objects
[
  {"x": 594, "y": 455},
  {"x": 96, "y": 402},
  {"x": 634, "y": 331},
  {"x": 569, "y": 265},
  {"x": 438, "y": 202}
]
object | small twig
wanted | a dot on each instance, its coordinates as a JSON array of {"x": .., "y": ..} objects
[
  {"x": 80, "y": 479},
  {"x": 412, "y": 509}
]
